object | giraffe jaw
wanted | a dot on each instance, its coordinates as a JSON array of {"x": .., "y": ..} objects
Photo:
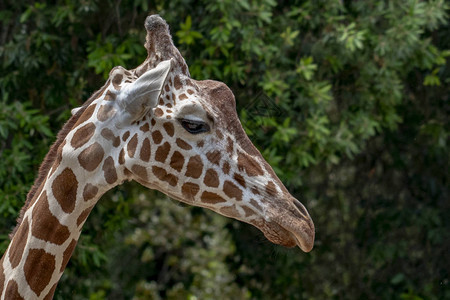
[
  {"x": 288, "y": 233},
  {"x": 288, "y": 225},
  {"x": 286, "y": 230}
]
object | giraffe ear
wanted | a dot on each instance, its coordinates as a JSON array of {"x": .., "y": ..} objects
[{"x": 137, "y": 98}]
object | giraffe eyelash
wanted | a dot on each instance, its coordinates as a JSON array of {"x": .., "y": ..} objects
[{"x": 194, "y": 127}]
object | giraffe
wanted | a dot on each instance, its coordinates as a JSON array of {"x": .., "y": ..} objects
[{"x": 158, "y": 126}]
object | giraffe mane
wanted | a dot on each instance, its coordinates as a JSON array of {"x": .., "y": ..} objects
[{"x": 51, "y": 156}]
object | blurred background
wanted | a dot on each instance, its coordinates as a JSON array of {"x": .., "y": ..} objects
[{"x": 347, "y": 100}]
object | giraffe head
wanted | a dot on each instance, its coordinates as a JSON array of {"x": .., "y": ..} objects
[{"x": 183, "y": 138}]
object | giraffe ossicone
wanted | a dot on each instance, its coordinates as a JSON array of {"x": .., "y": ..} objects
[{"x": 158, "y": 126}]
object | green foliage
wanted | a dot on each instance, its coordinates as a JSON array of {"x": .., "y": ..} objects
[
  {"x": 347, "y": 100},
  {"x": 21, "y": 127},
  {"x": 105, "y": 54}
]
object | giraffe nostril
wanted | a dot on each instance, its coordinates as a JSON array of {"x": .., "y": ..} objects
[{"x": 300, "y": 207}]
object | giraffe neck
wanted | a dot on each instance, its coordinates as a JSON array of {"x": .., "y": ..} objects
[{"x": 45, "y": 239}]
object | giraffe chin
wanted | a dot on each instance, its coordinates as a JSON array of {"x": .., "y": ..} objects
[
  {"x": 285, "y": 233},
  {"x": 300, "y": 230}
]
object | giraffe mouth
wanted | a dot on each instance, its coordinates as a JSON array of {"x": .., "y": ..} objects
[
  {"x": 289, "y": 234},
  {"x": 304, "y": 237},
  {"x": 291, "y": 227}
]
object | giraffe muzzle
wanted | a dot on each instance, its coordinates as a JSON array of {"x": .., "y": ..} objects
[
  {"x": 300, "y": 226},
  {"x": 289, "y": 225}
]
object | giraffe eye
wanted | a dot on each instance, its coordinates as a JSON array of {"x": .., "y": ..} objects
[{"x": 194, "y": 127}]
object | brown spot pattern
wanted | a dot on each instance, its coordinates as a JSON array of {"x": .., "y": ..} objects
[
  {"x": 214, "y": 157},
  {"x": 18, "y": 244},
  {"x": 110, "y": 96},
  {"x": 169, "y": 128},
  {"x": 190, "y": 92},
  {"x": 140, "y": 171},
  {"x": 157, "y": 137},
  {"x": 145, "y": 127},
  {"x": 158, "y": 112},
  {"x": 12, "y": 290},
  {"x": 226, "y": 167},
  {"x": 38, "y": 269},
  {"x": 230, "y": 145},
  {"x": 83, "y": 216},
  {"x": 89, "y": 192},
  {"x": 91, "y": 157},
  {"x": 219, "y": 134},
  {"x": 110, "y": 136},
  {"x": 255, "y": 191},
  {"x": 125, "y": 136},
  {"x": 83, "y": 135},
  {"x": 271, "y": 189},
  {"x": 183, "y": 97},
  {"x": 211, "y": 178},
  {"x": 232, "y": 191},
  {"x": 105, "y": 112},
  {"x": 183, "y": 145},
  {"x": 68, "y": 252},
  {"x": 162, "y": 152},
  {"x": 239, "y": 179},
  {"x": 194, "y": 167},
  {"x": 127, "y": 173},
  {"x": 177, "y": 82},
  {"x": 189, "y": 190},
  {"x": 211, "y": 198},
  {"x": 122, "y": 156},
  {"x": 249, "y": 164},
  {"x": 162, "y": 175},
  {"x": 117, "y": 80},
  {"x": 200, "y": 144},
  {"x": 46, "y": 226},
  {"x": 86, "y": 115},
  {"x": 248, "y": 211},
  {"x": 177, "y": 161},
  {"x": 145, "y": 150},
  {"x": 229, "y": 211},
  {"x": 255, "y": 204},
  {"x": 109, "y": 170},
  {"x": 65, "y": 190},
  {"x": 132, "y": 144}
]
